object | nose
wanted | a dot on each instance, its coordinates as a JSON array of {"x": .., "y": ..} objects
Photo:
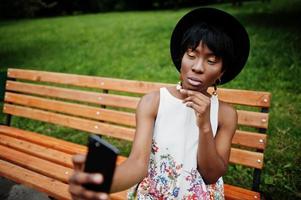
[{"x": 198, "y": 67}]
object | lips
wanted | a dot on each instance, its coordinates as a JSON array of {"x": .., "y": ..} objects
[{"x": 194, "y": 81}]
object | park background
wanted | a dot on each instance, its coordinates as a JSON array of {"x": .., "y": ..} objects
[{"x": 117, "y": 40}]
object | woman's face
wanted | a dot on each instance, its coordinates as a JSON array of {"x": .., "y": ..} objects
[{"x": 200, "y": 68}]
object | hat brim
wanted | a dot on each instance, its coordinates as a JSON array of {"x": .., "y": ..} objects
[{"x": 221, "y": 20}]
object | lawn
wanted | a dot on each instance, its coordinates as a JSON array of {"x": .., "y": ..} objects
[{"x": 135, "y": 45}]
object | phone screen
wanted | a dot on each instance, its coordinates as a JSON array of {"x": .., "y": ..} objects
[{"x": 101, "y": 158}]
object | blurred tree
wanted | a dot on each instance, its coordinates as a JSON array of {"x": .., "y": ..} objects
[
  {"x": 34, "y": 8},
  {"x": 100, "y": 5},
  {"x": 22, "y": 8}
]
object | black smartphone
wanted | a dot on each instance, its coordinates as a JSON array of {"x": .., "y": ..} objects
[{"x": 101, "y": 158}]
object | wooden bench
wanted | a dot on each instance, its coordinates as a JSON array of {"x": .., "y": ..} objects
[{"x": 102, "y": 106}]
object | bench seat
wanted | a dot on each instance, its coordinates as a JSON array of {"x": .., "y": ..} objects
[
  {"x": 46, "y": 163},
  {"x": 104, "y": 106}
]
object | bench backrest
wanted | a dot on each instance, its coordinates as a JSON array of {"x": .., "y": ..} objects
[{"x": 106, "y": 106}]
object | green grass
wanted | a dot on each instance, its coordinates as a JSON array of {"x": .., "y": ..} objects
[{"x": 135, "y": 45}]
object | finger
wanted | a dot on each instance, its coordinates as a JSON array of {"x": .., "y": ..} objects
[
  {"x": 196, "y": 109},
  {"x": 87, "y": 194},
  {"x": 190, "y": 93},
  {"x": 78, "y": 162},
  {"x": 200, "y": 105},
  {"x": 199, "y": 99},
  {"x": 82, "y": 178},
  {"x": 78, "y": 192},
  {"x": 75, "y": 191},
  {"x": 191, "y": 104},
  {"x": 187, "y": 92}
]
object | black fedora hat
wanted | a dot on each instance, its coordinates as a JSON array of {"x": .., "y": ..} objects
[{"x": 224, "y": 22}]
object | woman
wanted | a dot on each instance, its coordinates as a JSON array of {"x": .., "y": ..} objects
[{"x": 183, "y": 136}]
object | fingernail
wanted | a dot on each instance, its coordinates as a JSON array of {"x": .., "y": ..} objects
[
  {"x": 102, "y": 196},
  {"x": 97, "y": 178}
]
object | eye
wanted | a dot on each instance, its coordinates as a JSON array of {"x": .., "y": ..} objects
[
  {"x": 190, "y": 54},
  {"x": 211, "y": 62}
]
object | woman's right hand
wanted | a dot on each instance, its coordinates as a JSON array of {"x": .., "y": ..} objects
[{"x": 79, "y": 177}]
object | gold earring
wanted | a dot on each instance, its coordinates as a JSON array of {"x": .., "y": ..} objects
[
  {"x": 179, "y": 85},
  {"x": 215, "y": 89},
  {"x": 217, "y": 82}
]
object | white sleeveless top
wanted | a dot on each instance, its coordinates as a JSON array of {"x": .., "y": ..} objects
[{"x": 172, "y": 171}]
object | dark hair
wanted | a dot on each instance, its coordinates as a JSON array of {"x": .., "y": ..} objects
[{"x": 216, "y": 40}]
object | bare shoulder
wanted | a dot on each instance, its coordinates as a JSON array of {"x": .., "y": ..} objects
[
  {"x": 151, "y": 97},
  {"x": 149, "y": 103},
  {"x": 227, "y": 115},
  {"x": 227, "y": 109}
]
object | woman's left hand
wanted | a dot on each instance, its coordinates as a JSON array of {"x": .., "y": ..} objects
[{"x": 201, "y": 105}]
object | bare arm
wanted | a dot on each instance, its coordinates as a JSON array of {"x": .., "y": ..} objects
[
  {"x": 134, "y": 169},
  {"x": 213, "y": 153},
  {"x": 130, "y": 171}
]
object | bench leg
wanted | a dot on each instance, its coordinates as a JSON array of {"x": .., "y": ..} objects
[{"x": 256, "y": 180}]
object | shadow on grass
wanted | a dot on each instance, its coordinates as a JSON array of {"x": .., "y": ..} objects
[
  {"x": 288, "y": 19},
  {"x": 278, "y": 47}
]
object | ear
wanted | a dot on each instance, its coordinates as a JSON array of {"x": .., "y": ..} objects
[{"x": 218, "y": 80}]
